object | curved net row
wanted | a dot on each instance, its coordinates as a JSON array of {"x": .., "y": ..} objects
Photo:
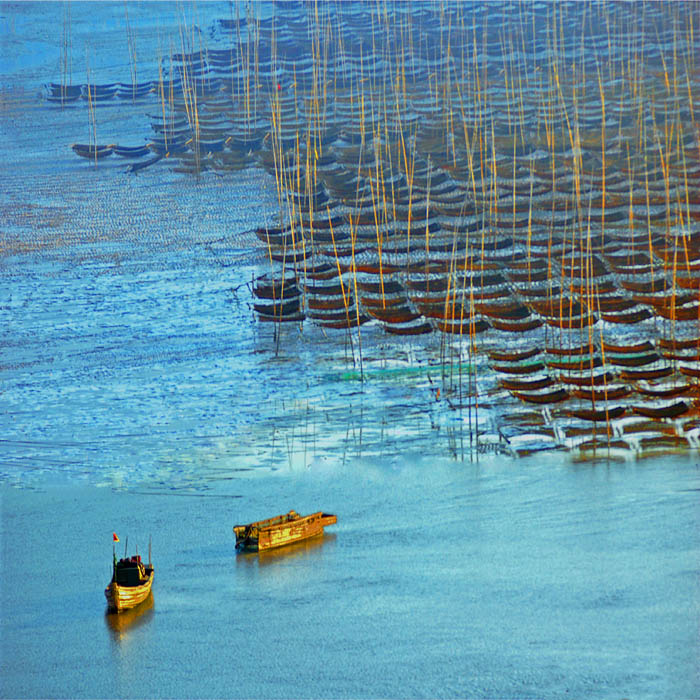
[{"x": 523, "y": 178}]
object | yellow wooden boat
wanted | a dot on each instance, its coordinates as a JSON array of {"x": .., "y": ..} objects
[
  {"x": 130, "y": 585},
  {"x": 281, "y": 530}
]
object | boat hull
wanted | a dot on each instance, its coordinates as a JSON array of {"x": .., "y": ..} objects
[
  {"x": 121, "y": 598},
  {"x": 281, "y": 530}
]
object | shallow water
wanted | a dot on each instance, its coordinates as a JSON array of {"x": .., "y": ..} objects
[
  {"x": 139, "y": 393},
  {"x": 502, "y": 579}
]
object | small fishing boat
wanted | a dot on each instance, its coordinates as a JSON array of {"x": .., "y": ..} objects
[
  {"x": 281, "y": 530},
  {"x": 131, "y": 582}
]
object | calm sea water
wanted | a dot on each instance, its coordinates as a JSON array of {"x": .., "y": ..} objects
[
  {"x": 138, "y": 394},
  {"x": 441, "y": 579}
]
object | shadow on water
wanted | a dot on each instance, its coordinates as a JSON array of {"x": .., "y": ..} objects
[
  {"x": 121, "y": 624},
  {"x": 310, "y": 549}
]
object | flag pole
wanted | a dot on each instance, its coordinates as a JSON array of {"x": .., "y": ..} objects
[{"x": 115, "y": 539}]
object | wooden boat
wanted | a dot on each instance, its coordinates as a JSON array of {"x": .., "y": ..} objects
[
  {"x": 130, "y": 585},
  {"x": 281, "y": 530}
]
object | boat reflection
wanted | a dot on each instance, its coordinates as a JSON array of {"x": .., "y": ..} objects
[
  {"x": 297, "y": 550},
  {"x": 120, "y": 624}
]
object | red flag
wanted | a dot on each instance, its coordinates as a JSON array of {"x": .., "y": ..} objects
[{"x": 114, "y": 537}]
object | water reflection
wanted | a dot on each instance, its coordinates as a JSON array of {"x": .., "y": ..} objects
[
  {"x": 120, "y": 624},
  {"x": 307, "y": 548}
]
